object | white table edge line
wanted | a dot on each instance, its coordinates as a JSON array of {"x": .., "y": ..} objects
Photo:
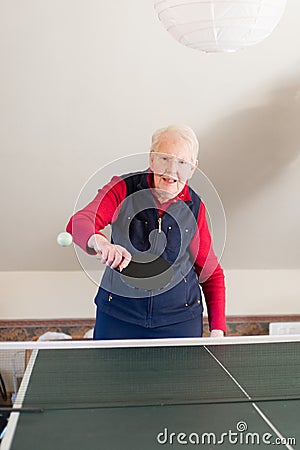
[{"x": 14, "y": 417}]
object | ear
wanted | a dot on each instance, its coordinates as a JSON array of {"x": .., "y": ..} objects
[
  {"x": 151, "y": 158},
  {"x": 194, "y": 168}
]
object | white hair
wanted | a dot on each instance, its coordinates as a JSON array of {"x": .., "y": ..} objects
[{"x": 180, "y": 132}]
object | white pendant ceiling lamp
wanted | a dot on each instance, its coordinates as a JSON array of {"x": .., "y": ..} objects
[{"x": 219, "y": 25}]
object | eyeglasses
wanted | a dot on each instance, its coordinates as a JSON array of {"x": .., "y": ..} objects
[{"x": 164, "y": 163}]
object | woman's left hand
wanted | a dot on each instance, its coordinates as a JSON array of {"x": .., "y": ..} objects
[{"x": 216, "y": 333}]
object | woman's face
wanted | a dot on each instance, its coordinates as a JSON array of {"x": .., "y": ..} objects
[{"x": 172, "y": 166}]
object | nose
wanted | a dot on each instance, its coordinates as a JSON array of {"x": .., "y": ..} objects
[{"x": 172, "y": 166}]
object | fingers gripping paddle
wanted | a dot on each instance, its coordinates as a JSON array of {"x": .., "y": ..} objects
[{"x": 147, "y": 271}]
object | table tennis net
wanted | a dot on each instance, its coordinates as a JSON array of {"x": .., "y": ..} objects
[{"x": 90, "y": 377}]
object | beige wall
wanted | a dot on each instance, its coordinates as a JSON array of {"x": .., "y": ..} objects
[
  {"x": 86, "y": 83},
  {"x": 45, "y": 295}
]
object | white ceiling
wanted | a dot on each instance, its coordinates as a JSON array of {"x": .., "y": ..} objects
[{"x": 86, "y": 83}]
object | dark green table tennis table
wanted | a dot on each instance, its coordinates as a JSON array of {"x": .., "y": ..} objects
[{"x": 145, "y": 395}]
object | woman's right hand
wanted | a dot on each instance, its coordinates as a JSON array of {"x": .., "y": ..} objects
[{"x": 114, "y": 256}]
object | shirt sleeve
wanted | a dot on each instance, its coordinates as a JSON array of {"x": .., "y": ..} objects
[
  {"x": 211, "y": 275},
  {"x": 100, "y": 212}
]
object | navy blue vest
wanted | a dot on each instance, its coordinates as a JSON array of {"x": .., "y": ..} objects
[{"x": 139, "y": 229}]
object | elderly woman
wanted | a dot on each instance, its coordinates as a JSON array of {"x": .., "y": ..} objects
[{"x": 154, "y": 209}]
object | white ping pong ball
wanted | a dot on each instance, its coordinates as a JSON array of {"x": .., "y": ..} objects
[{"x": 64, "y": 239}]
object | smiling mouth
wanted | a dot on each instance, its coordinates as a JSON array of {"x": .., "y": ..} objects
[{"x": 169, "y": 180}]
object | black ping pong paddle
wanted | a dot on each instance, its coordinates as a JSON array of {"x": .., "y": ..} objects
[{"x": 148, "y": 272}]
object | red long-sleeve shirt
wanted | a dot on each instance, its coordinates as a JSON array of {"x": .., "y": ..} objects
[{"x": 103, "y": 210}]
